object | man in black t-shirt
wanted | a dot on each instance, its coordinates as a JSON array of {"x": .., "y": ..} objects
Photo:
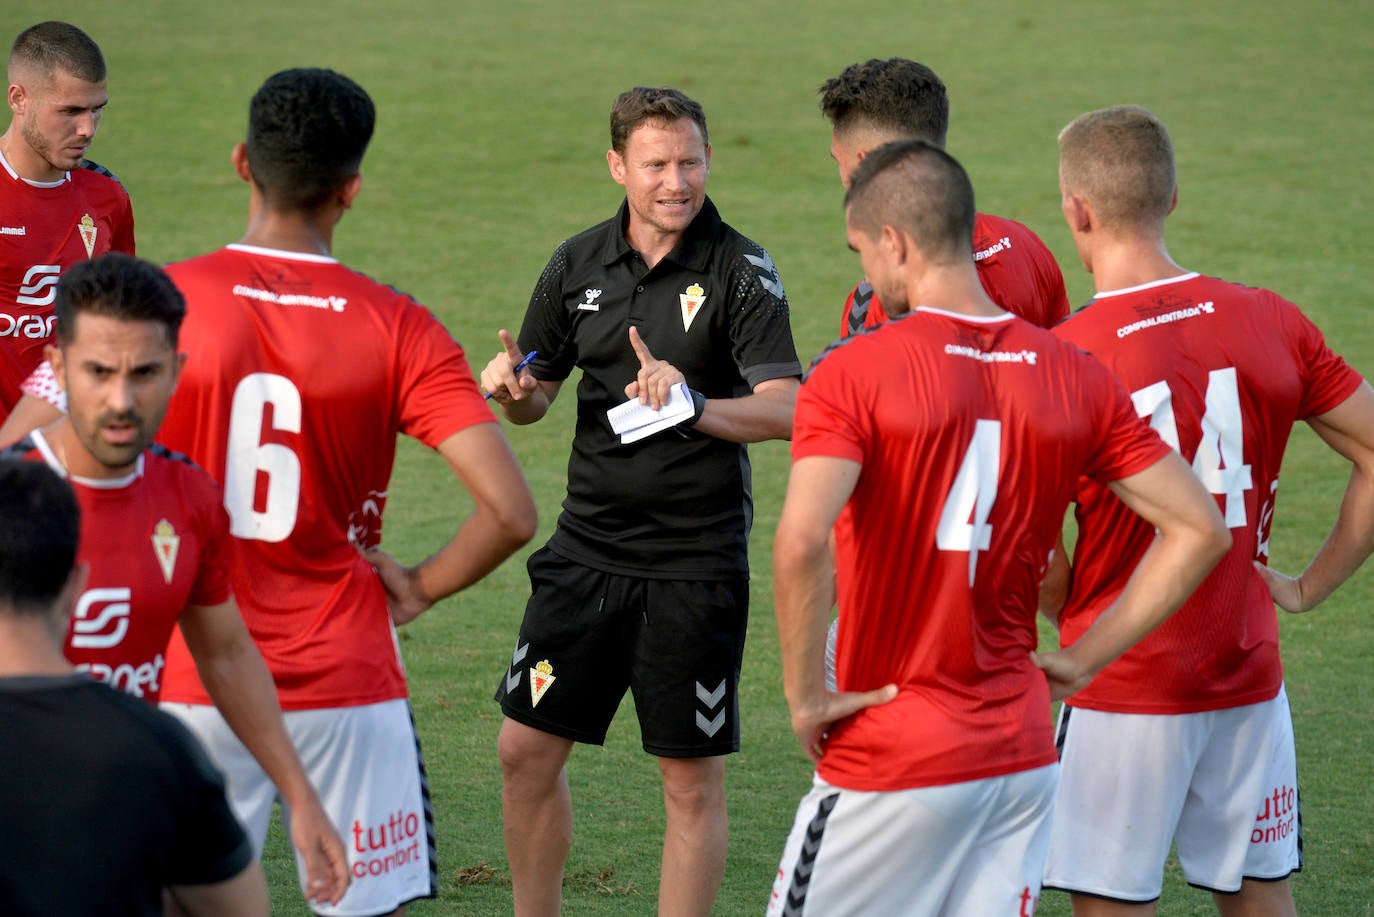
[
  {"x": 644, "y": 584},
  {"x": 107, "y": 801}
]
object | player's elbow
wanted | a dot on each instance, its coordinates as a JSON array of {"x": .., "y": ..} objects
[{"x": 518, "y": 520}]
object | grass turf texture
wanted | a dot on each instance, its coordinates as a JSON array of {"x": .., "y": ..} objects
[{"x": 491, "y": 133}]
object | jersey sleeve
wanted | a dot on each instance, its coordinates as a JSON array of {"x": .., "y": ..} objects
[
  {"x": 1328, "y": 379},
  {"x": 547, "y": 327},
  {"x": 213, "y": 572},
  {"x": 438, "y": 395},
  {"x": 42, "y": 384},
  {"x": 123, "y": 220},
  {"x": 760, "y": 323},
  {"x": 833, "y": 415}
]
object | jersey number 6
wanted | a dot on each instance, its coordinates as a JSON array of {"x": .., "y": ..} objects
[{"x": 247, "y": 456}]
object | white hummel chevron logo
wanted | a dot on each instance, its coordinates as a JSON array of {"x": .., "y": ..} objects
[
  {"x": 768, "y": 274},
  {"x": 513, "y": 676},
  {"x": 711, "y": 699}
]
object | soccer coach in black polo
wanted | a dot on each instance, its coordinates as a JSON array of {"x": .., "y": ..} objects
[{"x": 644, "y": 584}]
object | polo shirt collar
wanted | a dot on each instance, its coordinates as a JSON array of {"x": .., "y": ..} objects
[{"x": 692, "y": 251}]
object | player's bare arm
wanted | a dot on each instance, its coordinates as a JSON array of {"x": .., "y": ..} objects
[
  {"x": 764, "y": 414},
  {"x": 502, "y": 520},
  {"x": 1348, "y": 429},
  {"x": 523, "y": 398},
  {"x": 804, "y": 591},
  {"x": 1191, "y": 537},
  {"x": 1054, "y": 588},
  {"x": 28, "y": 415},
  {"x": 237, "y": 680}
]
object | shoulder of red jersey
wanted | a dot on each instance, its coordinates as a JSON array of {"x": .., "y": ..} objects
[
  {"x": 161, "y": 460},
  {"x": 96, "y": 168}
]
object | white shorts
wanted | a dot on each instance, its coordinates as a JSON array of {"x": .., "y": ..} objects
[
  {"x": 973, "y": 848},
  {"x": 1221, "y": 784},
  {"x": 365, "y": 764}
]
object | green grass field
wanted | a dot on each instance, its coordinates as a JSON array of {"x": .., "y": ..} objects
[{"x": 489, "y": 151}]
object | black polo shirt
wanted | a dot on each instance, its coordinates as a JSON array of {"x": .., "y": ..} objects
[{"x": 669, "y": 506}]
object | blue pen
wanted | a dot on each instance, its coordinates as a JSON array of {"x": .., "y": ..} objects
[{"x": 518, "y": 366}]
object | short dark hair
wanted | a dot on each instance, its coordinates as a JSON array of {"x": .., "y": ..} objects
[
  {"x": 918, "y": 188},
  {"x": 896, "y": 96},
  {"x": 40, "y": 527},
  {"x": 664, "y": 103},
  {"x": 308, "y": 129},
  {"x": 53, "y": 46},
  {"x": 118, "y": 286}
]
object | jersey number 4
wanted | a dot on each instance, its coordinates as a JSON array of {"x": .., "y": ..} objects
[
  {"x": 1220, "y": 458},
  {"x": 964, "y": 518},
  {"x": 248, "y": 456}
]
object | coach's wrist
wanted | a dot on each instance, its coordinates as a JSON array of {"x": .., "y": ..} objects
[{"x": 698, "y": 408}]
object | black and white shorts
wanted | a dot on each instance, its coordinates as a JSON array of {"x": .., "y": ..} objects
[{"x": 588, "y": 635}]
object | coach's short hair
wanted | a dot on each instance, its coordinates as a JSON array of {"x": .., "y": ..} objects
[
  {"x": 897, "y": 97},
  {"x": 54, "y": 46},
  {"x": 39, "y": 532},
  {"x": 1121, "y": 161},
  {"x": 918, "y": 188},
  {"x": 118, "y": 286},
  {"x": 308, "y": 129},
  {"x": 662, "y": 104}
]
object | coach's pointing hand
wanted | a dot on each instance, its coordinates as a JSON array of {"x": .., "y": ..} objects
[
  {"x": 655, "y": 378},
  {"x": 499, "y": 379}
]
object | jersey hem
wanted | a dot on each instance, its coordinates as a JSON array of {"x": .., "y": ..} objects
[
  {"x": 1259, "y": 696},
  {"x": 947, "y": 779}
]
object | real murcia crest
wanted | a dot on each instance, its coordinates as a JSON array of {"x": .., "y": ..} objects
[
  {"x": 691, "y": 299},
  {"x": 88, "y": 234},
  {"x": 541, "y": 679},
  {"x": 166, "y": 542}
]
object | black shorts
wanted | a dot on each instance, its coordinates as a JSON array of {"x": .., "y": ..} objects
[{"x": 588, "y": 635}]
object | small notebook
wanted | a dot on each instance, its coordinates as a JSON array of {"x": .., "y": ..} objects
[{"x": 634, "y": 421}]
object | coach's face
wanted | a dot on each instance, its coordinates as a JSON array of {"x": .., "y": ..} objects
[
  {"x": 663, "y": 169},
  {"x": 118, "y": 376}
]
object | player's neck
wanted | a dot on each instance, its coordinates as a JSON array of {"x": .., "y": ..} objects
[
  {"x": 1131, "y": 262},
  {"x": 24, "y": 161},
  {"x": 955, "y": 288},
  {"x": 311, "y": 234},
  {"x": 30, "y": 646}
]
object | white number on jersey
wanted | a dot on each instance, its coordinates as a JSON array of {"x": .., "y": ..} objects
[
  {"x": 964, "y": 518},
  {"x": 1220, "y": 458},
  {"x": 248, "y": 455}
]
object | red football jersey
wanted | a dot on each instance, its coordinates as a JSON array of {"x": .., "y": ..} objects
[
  {"x": 44, "y": 229},
  {"x": 971, "y": 434},
  {"x": 300, "y": 373},
  {"x": 1018, "y": 273},
  {"x": 1222, "y": 371},
  {"x": 156, "y": 541}
]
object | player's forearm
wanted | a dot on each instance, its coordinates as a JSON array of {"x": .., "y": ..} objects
[
  {"x": 763, "y": 415},
  {"x": 1348, "y": 546},
  {"x": 485, "y": 539},
  {"x": 804, "y": 590}
]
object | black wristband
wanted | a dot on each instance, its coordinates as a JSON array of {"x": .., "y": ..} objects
[{"x": 698, "y": 408}]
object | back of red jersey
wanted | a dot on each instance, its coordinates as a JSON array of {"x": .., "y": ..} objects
[
  {"x": 971, "y": 434},
  {"x": 1018, "y": 272},
  {"x": 300, "y": 374},
  {"x": 45, "y": 229},
  {"x": 1222, "y": 372}
]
